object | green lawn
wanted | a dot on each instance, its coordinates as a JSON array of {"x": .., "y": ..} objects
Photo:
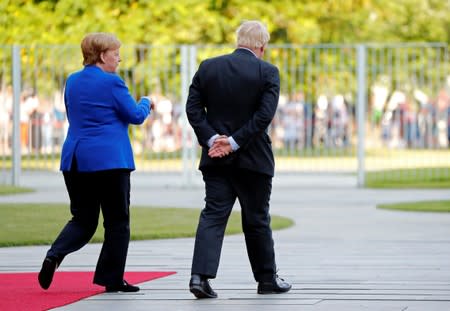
[
  {"x": 7, "y": 190},
  {"x": 433, "y": 177},
  {"x": 39, "y": 224},
  {"x": 426, "y": 206}
]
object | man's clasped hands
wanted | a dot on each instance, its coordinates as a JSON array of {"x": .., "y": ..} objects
[{"x": 220, "y": 148}]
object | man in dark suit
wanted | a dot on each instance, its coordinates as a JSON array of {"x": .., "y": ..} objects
[{"x": 232, "y": 101}]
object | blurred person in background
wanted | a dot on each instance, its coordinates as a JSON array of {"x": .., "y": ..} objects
[
  {"x": 29, "y": 104},
  {"x": 6, "y": 104},
  {"x": 232, "y": 101},
  {"x": 96, "y": 162},
  {"x": 448, "y": 126}
]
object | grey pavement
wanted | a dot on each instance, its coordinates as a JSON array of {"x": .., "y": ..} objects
[{"x": 342, "y": 254}]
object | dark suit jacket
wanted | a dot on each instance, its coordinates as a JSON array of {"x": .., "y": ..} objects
[{"x": 235, "y": 95}]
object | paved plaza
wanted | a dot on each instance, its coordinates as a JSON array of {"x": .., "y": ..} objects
[{"x": 342, "y": 254}]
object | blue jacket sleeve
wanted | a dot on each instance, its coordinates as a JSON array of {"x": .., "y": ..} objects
[{"x": 127, "y": 108}]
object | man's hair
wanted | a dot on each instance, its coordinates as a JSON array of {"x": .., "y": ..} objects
[
  {"x": 94, "y": 44},
  {"x": 252, "y": 34}
]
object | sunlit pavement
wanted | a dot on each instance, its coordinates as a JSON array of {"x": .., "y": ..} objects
[{"x": 342, "y": 254}]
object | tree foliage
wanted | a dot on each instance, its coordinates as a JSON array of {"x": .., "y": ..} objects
[{"x": 214, "y": 21}]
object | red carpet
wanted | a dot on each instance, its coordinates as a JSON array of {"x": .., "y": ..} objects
[{"x": 21, "y": 291}]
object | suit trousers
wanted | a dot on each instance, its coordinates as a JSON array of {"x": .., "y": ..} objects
[
  {"x": 223, "y": 184},
  {"x": 109, "y": 191}
]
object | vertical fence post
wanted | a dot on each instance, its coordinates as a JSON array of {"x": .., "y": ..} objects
[
  {"x": 185, "y": 128},
  {"x": 361, "y": 65},
  {"x": 193, "y": 150},
  {"x": 189, "y": 149},
  {"x": 16, "y": 83}
]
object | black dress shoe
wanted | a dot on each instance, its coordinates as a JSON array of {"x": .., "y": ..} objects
[
  {"x": 124, "y": 287},
  {"x": 274, "y": 286},
  {"x": 200, "y": 287},
  {"x": 45, "y": 276}
]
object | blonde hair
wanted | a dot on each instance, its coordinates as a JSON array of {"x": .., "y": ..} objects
[
  {"x": 252, "y": 34},
  {"x": 94, "y": 44}
]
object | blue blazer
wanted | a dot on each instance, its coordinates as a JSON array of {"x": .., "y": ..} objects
[{"x": 99, "y": 109}]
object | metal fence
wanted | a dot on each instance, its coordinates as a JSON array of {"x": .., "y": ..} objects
[{"x": 343, "y": 108}]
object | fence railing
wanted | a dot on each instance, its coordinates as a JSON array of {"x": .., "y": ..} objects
[{"x": 343, "y": 108}]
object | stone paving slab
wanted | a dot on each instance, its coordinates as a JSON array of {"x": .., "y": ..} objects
[{"x": 342, "y": 254}]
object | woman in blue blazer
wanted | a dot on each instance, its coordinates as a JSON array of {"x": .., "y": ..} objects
[{"x": 96, "y": 162}]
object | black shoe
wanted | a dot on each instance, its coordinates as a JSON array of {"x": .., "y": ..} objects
[
  {"x": 45, "y": 276},
  {"x": 200, "y": 287},
  {"x": 274, "y": 286},
  {"x": 48, "y": 269},
  {"x": 124, "y": 287}
]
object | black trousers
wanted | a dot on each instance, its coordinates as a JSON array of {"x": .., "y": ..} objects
[
  {"x": 222, "y": 186},
  {"x": 89, "y": 192}
]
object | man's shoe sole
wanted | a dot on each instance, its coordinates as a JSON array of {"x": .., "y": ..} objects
[
  {"x": 130, "y": 289},
  {"x": 269, "y": 292},
  {"x": 200, "y": 293}
]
